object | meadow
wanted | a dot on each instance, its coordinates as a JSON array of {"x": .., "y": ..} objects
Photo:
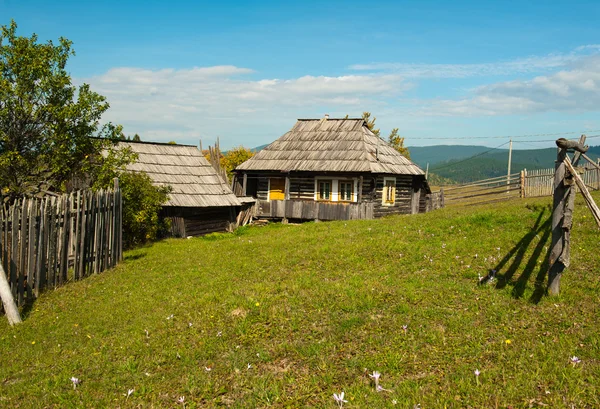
[{"x": 287, "y": 315}]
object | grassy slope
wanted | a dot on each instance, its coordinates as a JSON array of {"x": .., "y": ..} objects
[{"x": 313, "y": 308}]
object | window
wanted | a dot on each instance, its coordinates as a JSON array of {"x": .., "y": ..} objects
[
  {"x": 324, "y": 190},
  {"x": 389, "y": 191},
  {"x": 345, "y": 190}
]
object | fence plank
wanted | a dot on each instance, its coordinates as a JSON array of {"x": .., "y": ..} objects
[
  {"x": 40, "y": 239},
  {"x": 14, "y": 249},
  {"x": 31, "y": 251},
  {"x": 23, "y": 230}
]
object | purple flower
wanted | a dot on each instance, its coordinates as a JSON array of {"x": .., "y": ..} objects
[
  {"x": 375, "y": 375},
  {"x": 575, "y": 360},
  {"x": 75, "y": 381},
  {"x": 339, "y": 399}
]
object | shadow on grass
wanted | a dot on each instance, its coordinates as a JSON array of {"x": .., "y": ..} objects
[
  {"x": 131, "y": 257},
  {"x": 27, "y": 307},
  {"x": 506, "y": 268}
]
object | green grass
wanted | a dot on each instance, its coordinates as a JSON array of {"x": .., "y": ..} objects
[{"x": 315, "y": 308}]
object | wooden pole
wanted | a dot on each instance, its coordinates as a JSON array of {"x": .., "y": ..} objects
[
  {"x": 562, "y": 214},
  {"x": 10, "y": 307},
  {"x": 509, "y": 162},
  {"x": 561, "y": 199}
]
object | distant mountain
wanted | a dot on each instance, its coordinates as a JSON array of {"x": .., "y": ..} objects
[
  {"x": 469, "y": 163},
  {"x": 259, "y": 148},
  {"x": 466, "y": 163}
]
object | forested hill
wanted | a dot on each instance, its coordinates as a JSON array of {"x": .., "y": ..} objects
[{"x": 468, "y": 163}]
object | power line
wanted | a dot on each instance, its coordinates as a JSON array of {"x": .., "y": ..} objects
[
  {"x": 552, "y": 140},
  {"x": 508, "y": 136},
  {"x": 469, "y": 158}
]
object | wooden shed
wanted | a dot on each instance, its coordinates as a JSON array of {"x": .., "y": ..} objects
[
  {"x": 332, "y": 169},
  {"x": 200, "y": 202}
]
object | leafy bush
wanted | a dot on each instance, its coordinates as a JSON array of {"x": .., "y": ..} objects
[{"x": 142, "y": 202}]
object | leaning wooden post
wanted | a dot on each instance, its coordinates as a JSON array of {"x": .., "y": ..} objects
[
  {"x": 12, "y": 312},
  {"x": 562, "y": 215}
]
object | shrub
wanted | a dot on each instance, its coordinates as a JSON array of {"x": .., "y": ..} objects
[{"x": 142, "y": 202}]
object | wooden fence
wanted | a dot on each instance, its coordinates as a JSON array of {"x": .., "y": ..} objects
[
  {"x": 46, "y": 242},
  {"x": 540, "y": 182},
  {"x": 484, "y": 191},
  {"x": 527, "y": 183}
]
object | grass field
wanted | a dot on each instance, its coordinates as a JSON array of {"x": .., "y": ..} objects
[{"x": 287, "y": 315}]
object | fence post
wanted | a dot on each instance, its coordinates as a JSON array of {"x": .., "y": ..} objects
[
  {"x": 12, "y": 312},
  {"x": 523, "y": 181},
  {"x": 562, "y": 215}
]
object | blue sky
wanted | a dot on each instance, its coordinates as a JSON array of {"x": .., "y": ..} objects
[{"x": 461, "y": 72}]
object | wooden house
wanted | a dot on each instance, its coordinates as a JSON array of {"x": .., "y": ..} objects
[
  {"x": 332, "y": 169},
  {"x": 200, "y": 202}
]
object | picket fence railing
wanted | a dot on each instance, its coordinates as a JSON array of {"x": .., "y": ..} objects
[
  {"x": 540, "y": 182},
  {"x": 527, "y": 183},
  {"x": 46, "y": 242}
]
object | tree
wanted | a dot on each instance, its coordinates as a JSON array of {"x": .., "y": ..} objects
[
  {"x": 235, "y": 157},
  {"x": 142, "y": 201},
  {"x": 370, "y": 122},
  {"x": 395, "y": 140},
  {"x": 47, "y": 125}
]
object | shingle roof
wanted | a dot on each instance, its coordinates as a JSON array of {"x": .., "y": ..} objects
[
  {"x": 331, "y": 145},
  {"x": 193, "y": 180}
]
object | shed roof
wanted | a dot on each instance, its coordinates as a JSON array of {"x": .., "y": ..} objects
[
  {"x": 194, "y": 181},
  {"x": 331, "y": 145}
]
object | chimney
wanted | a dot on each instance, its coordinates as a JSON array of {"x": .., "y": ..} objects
[{"x": 326, "y": 117}]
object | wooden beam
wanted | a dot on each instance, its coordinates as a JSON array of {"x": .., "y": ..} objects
[
  {"x": 287, "y": 188},
  {"x": 360, "y": 188},
  {"x": 567, "y": 144},
  {"x": 244, "y": 184},
  {"x": 590, "y": 161},
  {"x": 584, "y": 191}
]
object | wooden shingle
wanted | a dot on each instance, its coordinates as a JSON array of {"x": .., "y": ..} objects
[
  {"x": 331, "y": 145},
  {"x": 193, "y": 180}
]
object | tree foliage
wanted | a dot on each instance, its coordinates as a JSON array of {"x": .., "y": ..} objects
[
  {"x": 231, "y": 159},
  {"x": 394, "y": 139},
  {"x": 50, "y": 132},
  {"x": 142, "y": 202},
  {"x": 235, "y": 157},
  {"x": 46, "y": 123},
  {"x": 397, "y": 142}
]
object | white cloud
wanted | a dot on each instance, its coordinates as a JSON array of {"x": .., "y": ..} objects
[
  {"x": 531, "y": 64},
  {"x": 573, "y": 90},
  {"x": 168, "y": 104}
]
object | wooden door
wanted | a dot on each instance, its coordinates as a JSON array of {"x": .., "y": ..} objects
[{"x": 277, "y": 189}]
